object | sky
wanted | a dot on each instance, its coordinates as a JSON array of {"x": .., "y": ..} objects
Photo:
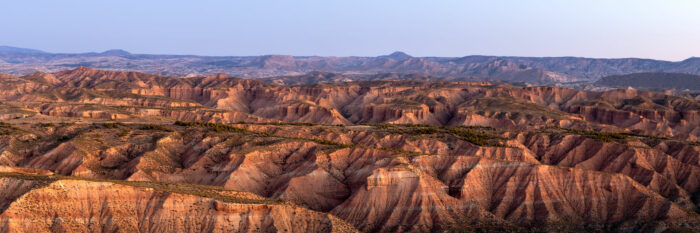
[{"x": 658, "y": 29}]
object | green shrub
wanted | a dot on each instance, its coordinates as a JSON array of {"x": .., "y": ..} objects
[
  {"x": 111, "y": 125},
  {"x": 5, "y": 125},
  {"x": 474, "y": 134},
  {"x": 124, "y": 133},
  {"x": 44, "y": 125},
  {"x": 278, "y": 123},
  {"x": 154, "y": 127},
  {"x": 211, "y": 126},
  {"x": 5, "y": 132},
  {"x": 603, "y": 136},
  {"x": 63, "y": 138},
  {"x": 6, "y": 129}
]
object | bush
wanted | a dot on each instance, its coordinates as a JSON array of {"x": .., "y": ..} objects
[
  {"x": 477, "y": 137},
  {"x": 111, "y": 125},
  {"x": 5, "y": 125},
  {"x": 474, "y": 134},
  {"x": 6, "y": 129},
  {"x": 278, "y": 123},
  {"x": 211, "y": 126},
  {"x": 124, "y": 133},
  {"x": 63, "y": 138},
  {"x": 44, "y": 125},
  {"x": 5, "y": 132},
  {"x": 155, "y": 127},
  {"x": 603, "y": 136}
]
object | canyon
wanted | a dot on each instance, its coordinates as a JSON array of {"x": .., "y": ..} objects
[{"x": 88, "y": 149}]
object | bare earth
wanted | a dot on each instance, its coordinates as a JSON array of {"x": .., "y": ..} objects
[{"x": 89, "y": 150}]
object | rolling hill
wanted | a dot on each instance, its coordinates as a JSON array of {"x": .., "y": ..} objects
[
  {"x": 534, "y": 70},
  {"x": 651, "y": 81}
]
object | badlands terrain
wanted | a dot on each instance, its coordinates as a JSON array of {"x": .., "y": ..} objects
[{"x": 93, "y": 150}]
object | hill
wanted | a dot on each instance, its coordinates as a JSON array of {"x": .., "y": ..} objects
[
  {"x": 150, "y": 153},
  {"x": 653, "y": 81},
  {"x": 9, "y": 49},
  {"x": 533, "y": 70}
]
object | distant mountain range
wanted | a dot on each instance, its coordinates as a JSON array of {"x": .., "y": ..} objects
[
  {"x": 8, "y": 49},
  {"x": 651, "y": 81},
  {"x": 534, "y": 70},
  {"x": 87, "y": 149}
]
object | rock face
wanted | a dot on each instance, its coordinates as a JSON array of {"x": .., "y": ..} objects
[
  {"x": 384, "y": 178},
  {"x": 126, "y": 151},
  {"x": 88, "y": 206},
  {"x": 91, "y": 93}
]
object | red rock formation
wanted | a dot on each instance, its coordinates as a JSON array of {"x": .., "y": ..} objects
[
  {"x": 545, "y": 159},
  {"x": 85, "y": 206}
]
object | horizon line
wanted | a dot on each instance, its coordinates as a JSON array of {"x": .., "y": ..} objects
[{"x": 41, "y": 51}]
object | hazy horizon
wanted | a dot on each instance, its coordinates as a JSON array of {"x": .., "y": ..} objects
[
  {"x": 535, "y": 28},
  {"x": 467, "y": 55}
]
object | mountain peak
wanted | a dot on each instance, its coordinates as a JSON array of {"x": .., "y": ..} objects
[
  {"x": 115, "y": 52},
  {"x": 692, "y": 59},
  {"x": 398, "y": 55}
]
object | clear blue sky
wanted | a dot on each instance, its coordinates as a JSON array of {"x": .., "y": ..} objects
[{"x": 662, "y": 29}]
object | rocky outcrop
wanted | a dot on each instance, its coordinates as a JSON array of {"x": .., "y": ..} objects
[
  {"x": 379, "y": 179},
  {"x": 524, "y": 192},
  {"x": 396, "y": 199},
  {"x": 92, "y": 93},
  {"x": 384, "y": 156},
  {"x": 87, "y": 206}
]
